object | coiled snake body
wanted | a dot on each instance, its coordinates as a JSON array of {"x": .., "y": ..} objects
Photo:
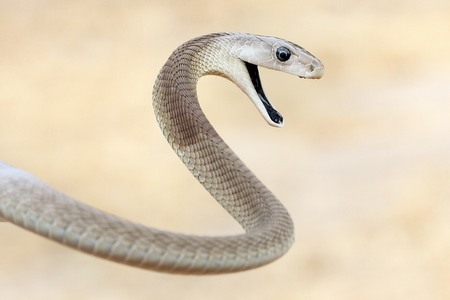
[{"x": 28, "y": 202}]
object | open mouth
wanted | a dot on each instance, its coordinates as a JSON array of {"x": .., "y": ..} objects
[{"x": 274, "y": 115}]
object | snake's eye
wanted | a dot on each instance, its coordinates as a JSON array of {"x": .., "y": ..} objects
[{"x": 283, "y": 54}]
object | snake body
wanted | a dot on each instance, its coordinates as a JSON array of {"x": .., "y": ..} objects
[{"x": 30, "y": 203}]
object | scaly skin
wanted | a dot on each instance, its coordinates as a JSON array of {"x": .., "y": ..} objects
[{"x": 28, "y": 202}]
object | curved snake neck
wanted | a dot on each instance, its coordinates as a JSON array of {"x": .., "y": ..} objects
[{"x": 28, "y": 202}]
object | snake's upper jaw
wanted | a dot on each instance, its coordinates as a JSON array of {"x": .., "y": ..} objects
[{"x": 276, "y": 119}]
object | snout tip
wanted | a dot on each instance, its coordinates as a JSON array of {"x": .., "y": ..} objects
[
  {"x": 314, "y": 70},
  {"x": 317, "y": 72}
]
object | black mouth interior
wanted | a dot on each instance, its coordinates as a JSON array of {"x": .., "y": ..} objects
[{"x": 275, "y": 116}]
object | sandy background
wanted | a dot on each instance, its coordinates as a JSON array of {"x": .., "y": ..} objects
[{"x": 362, "y": 164}]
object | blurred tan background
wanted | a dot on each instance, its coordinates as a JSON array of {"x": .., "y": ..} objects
[{"x": 362, "y": 163}]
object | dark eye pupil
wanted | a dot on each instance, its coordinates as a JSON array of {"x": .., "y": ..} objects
[{"x": 283, "y": 54}]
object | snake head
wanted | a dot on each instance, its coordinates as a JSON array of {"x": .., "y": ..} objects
[{"x": 277, "y": 54}]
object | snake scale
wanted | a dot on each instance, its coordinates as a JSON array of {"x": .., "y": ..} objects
[{"x": 30, "y": 203}]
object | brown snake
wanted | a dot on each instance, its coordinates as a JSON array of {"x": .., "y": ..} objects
[{"x": 30, "y": 203}]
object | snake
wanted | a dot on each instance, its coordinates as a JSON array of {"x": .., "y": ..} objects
[{"x": 28, "y": 202}]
